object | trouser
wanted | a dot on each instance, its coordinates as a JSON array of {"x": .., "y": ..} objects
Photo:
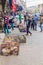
[
  {"x": 6, "y": 28},
  {"x": 35, "y": 26},
  {"x": 32, "y": 26},
  {"x": 41, "y": 26},
  {"x": 28, "y": 31},
  {"x": 20, "y": 21},
  {"x": 12, "y": 25}
]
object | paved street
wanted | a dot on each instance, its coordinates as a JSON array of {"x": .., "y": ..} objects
[{"x": 31, "y": 52}]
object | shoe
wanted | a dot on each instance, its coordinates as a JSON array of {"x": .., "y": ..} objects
[
  {"x": 26, "y": 34},
  {"x": 30, "y": 34}
]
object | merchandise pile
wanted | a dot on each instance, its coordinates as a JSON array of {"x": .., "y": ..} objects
[{"x": 10, "y": 45}]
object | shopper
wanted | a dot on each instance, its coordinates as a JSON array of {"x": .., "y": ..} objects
[
  {"x": 35, "y": 22},
  {"x": 11, "y": 21},
  {"x": 6, "y": 23},
  {"x": 25, "y": 18},
  {"x": 41, "y": 27},
  {"x": 41, "y": 22},
  {"x": 32, "y": 24},
  {"x": 28, "y": 21},
  {"x": 20, "y": 17}
]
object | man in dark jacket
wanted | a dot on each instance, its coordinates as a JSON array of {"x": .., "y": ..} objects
[
  {"x": 28, "y": 21},
  {"x": 32, "y": 24},
  {"x": 11, "y": 21}
]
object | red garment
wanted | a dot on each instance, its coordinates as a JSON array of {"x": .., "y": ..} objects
[{"x": 13, "y": 7}]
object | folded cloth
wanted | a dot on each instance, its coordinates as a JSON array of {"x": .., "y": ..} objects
[
  {"x": 12, "y": 48},
  {"x": 5, "y": 50}
]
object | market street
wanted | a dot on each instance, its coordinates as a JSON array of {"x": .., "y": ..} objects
[{"x": 30, "y": 53}]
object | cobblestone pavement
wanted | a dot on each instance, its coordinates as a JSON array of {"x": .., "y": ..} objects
[{"x": 31, "y": 52}]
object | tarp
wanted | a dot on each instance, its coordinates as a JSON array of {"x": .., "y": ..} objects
[
  {"x": 12, "y": 5},
  {"x": 19, "y": 8}
]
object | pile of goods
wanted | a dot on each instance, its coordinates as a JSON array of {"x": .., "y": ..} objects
[
  {"x": 9, "y": 47},
  {"x": 22, "y": 28},
  {"x": 19, "y": 38},
  {"x": 22, "y": 39}
]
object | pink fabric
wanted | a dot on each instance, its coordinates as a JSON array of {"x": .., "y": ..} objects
[{"x": 6, "y": 20}]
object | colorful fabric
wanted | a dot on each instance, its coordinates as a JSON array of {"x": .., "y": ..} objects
[
  {"x": 20, "y": 17},
  {"x": 6, "y": 20},
  {"x": 12, "y": 5}
]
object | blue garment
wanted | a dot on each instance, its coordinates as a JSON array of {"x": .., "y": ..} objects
[
  {"x": 41, "y": 27},
  {"x": 35, "y": 22},
  {"x": 35, "y": 27},
  {"x": 32, "y": 20},
  {"x": 13, "y": 14},
  {"x": 10, "y": 21},
  {"x": 10, "y": 2},
  {"x": 35, "y": 18},
  {"x": 6, "y": 29},
  {"x": 12, "y": 25},
  {"x": 28, "y": 23}
]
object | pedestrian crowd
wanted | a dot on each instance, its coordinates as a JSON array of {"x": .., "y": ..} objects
[{"x": 21, "y": 19}]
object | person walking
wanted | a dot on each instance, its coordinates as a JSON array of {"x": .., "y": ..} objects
[
  {"x": 20, "y": 17},
  {"x": 32, "y": 23},
  {"x": 41, "y": 27},
  {"x": 6, "y": 23},
  {"x": 35, "y": 22},
  {"x": 11, "y": 21},
  {"x": 28, "y": 21}
]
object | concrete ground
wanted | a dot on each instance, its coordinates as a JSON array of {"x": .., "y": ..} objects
[{"x": 30, "y": 53}]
